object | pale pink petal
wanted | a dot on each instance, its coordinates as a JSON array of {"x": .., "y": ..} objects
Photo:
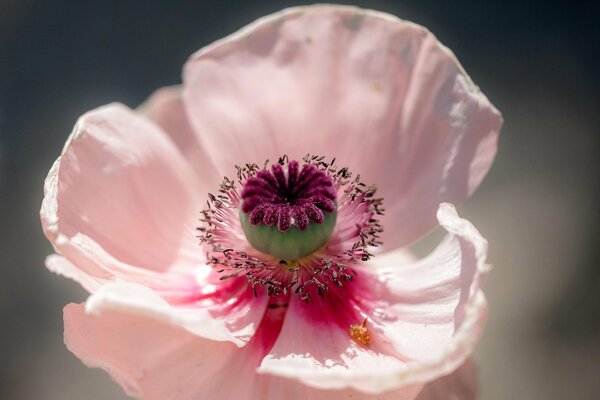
[
  {"x": 424, "y": 319},
  {"x": 153, "y": 360},
  {"x": 281, "y": 388},
  {"x": 119, "y": 201},
  {"x": 313, "y": 349},
  {"x": 165, "y": 107},
  {"x": 208, "y": 319},
  {"x": 150, "y": 359},
  {"x": 61, "y": 266},
  {"x": 380, "y": 94},
  {"x": 459, "y": 385}
]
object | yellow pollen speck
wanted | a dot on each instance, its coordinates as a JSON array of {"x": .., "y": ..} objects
[
  {"x": 359, "y": 333},
  {"x": 289, "y": 265}
]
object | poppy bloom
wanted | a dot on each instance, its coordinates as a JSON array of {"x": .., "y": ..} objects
[{"x": 344, "y": 135}]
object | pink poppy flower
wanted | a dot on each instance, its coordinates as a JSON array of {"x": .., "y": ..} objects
[{"x": 300, "y": 287}]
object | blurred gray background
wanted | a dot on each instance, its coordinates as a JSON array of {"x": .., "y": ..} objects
[{"x": 538, "y": 206}]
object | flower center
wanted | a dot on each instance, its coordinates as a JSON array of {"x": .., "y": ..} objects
[
  {"x": 288, "y": 211},
  {"x": 292, "y": 228}
]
